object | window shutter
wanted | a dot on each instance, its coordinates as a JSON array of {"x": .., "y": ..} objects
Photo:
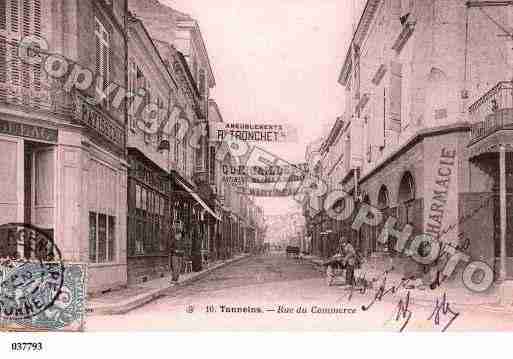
[
  {"x": 14, "y": 16},
  {"x": 3, "y": 59},
  {"x": 37, "y": 17},
  {"x": 378, "y": 118},
  {"x": 26, "y": 18},
  {"x": 102, "y": 54},
  {"x": 14, "y": 63},
  {"x": 98, "y": 55},
  {"x": 3, "y": 15},
  {"x": 394, "y": 97},
  {"x": 25, "y": 31},
  {"x": 105, "y": 65}
]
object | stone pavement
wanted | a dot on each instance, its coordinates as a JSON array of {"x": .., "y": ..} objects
[
  {"x": 131, "y": 297},
  {"x": 455, "y": 293}
]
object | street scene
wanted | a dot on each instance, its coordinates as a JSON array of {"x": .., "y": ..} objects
[
  {"x": 271, "y": 289},
  {"x": 189, "y": 165}
]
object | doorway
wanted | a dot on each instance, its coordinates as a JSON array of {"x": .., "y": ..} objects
[{"x": 39, "y": 177}]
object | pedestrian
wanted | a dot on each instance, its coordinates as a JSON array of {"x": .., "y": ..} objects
[
  {"x": 350, "y": 261},
  {"x": 176, "y": 257}
]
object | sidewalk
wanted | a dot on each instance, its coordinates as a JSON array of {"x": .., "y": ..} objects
[
  {"x": 455, "y": 294},
  {"x": 124, "y": 300}
]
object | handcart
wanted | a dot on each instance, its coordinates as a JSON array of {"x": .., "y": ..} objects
[{"x": 334, "y": 268}]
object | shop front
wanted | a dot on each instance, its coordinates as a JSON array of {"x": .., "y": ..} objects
[
  {"x": 192, "y": 216},
  {"x": 65, "y": 180},
  {"x": 149, "y": 219}
]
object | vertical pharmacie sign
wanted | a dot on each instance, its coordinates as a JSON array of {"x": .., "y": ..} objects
[
  {"x": 270, "y": 133},
  {"x": 441, "y": 188}
]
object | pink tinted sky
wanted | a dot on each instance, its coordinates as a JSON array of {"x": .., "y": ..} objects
[{"x": 277, "y": 61}]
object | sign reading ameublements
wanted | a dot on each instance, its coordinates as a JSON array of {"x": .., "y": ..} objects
[
  {"x": 254, "y": 132},
  {"x": 29, "y": 131}
]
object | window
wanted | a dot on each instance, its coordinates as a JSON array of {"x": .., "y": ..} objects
[
  {"x": 148, "y": 233},
  {"x": 195, "y": 70},
  {"x": 176, "y": 144},
  {"x": 212, "y": 165},
  {"x": 395, "y": 97},
  {"x": 103, "y": 61},
  {"x": 18, "y": 19},
  {"x": 102, "y": 237},
  {"x": 132, "y": 88},
  {"x": 92, "y": 237},
  {"x": 202, "y": 84},
  {"x": 199, "y": 157},
  {"x": 184, "y": 156}
]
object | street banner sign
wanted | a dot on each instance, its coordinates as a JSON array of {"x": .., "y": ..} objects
[{"x": 267, "y": 133}]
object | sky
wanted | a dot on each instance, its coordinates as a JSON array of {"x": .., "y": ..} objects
[{"x": 277, "y": 61}]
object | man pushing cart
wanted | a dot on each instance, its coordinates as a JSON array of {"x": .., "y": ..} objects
[{"x": 346, "y": 259}]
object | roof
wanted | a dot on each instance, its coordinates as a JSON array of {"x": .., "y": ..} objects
[
  {"x": 188, "y": 22},
  {"x": 361, "y": 31},
  {"x": 134, "y": 21},
  {"x": 212, "y": 103}
]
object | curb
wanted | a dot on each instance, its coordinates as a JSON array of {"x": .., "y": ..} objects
[{"x": 145, "y": 298}]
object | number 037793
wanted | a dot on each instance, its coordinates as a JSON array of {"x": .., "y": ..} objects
[{"x": 27, "y": 347}]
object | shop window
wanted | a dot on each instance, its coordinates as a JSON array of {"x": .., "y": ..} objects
[
  {"x": 111, "y": 244},
  {"x": 139, "y": 243},
  {"x": 212, "y": 165},
  {"x": 137, "y": 196},
  {"x": 144, "y": 201},
  {"x": 101, "y": 237},
  {"x": 184, "y": 157},
  {"x": 92, "y": 237},
  {"x": 150, "y": 235}
]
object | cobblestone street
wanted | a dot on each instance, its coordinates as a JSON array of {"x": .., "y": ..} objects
[{"x": 260, "y": 285}]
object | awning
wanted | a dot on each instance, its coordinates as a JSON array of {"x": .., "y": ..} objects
[{"x": 198, "y": 199}]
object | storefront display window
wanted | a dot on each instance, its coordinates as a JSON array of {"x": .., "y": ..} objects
[{"x": 101, "y": 237}]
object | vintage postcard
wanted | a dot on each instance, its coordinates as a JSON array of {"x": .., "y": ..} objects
[{"x": 294, "y": 165}]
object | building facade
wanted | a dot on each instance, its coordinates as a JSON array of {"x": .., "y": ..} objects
[
  {"x": 62, "y": 155},
  {"x": 424, "y": 136},
  {"x": 78, "y": 157}
]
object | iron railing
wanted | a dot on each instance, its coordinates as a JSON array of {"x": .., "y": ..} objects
[{"x": 492, "y": 112}]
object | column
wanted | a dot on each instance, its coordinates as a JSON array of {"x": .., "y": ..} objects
[{"x": 502, "y": 190}]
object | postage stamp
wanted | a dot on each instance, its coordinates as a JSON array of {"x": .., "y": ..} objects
[{"x": 38, "y": 291}]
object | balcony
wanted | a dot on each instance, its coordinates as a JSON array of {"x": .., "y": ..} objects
[
  {"x": 28, "y": 89},
  {"x": 492, "y": 112}
]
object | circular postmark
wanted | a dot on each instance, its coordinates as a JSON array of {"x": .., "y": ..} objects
[{"x": 31, "y": 271}]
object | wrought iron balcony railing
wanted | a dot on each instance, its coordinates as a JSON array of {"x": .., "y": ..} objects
[{"x": 492, "y": 112}]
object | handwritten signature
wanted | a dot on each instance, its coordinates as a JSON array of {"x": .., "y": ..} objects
[
  {"x": 403, "y": 311},
  {"x": 382, "y": 292},
  {"x": 442, "y": 309}
]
